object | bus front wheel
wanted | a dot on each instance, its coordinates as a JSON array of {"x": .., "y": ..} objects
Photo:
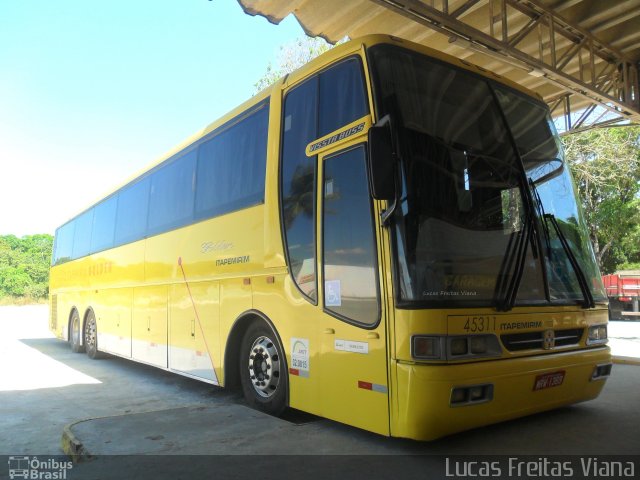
[
  {"x": 75, "y": 333},
  {"x": 263, "y": 370}
]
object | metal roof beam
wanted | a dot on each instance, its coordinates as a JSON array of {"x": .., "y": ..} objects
[
  {"x": 625, "y": 103},
  {"x": 602, "y": 19},
  {"x": 463, "y": 8},
  {"x": 563, "y": 5}
]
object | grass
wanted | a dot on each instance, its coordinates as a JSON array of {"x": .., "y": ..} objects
[{"x": 15, "y": 301}]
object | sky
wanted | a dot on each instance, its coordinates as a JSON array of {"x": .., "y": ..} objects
[{"x": 93, "y": 91}]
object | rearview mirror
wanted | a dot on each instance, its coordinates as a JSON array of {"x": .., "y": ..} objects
[{"x": 382, "y": 161}]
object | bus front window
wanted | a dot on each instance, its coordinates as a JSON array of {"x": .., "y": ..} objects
[
  {"x": 462, "y": 214},
  {"x": 552, "y": 186}
]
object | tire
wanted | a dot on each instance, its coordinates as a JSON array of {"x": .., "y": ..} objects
[
  {"x": 75, "y": 333},
  {"x": 91, "y": 336},
  {"x": 263, "y": 370}
]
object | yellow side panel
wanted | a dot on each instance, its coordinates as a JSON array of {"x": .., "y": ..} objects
[
  {"x": 354, "y": 375},
  {"x": 113, "y": 317},
  {"x": 149, "y": 326},
  {"x": 235, "y": 299},
  {"x": 194, "y": 330},
  {"x": 227, "y": 245},
  {"x": 121, "y": 267}
]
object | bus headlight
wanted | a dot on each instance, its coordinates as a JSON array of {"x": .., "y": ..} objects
[
  {"x": 597, "y": 335},
  {"x": 459, "y": 347},
  {"x": 478, "y": 345},
  {"x": 426, "y": 348},
  {"x": 473, "y": 346}
]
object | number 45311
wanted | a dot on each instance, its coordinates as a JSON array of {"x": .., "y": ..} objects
[{"x": 480, "y": 323}]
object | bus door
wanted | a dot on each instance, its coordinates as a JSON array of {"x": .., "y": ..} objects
[
  {"x": 352, "y": 332},
  {"x": 331, "y": 243}
]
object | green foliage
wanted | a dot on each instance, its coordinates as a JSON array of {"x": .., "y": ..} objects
[
  {"x": 24, "y": 266},
  {"x": 291, "y": 57},
  {"x": 606, "y": 166},
  {"x": 629, "y": 266}
]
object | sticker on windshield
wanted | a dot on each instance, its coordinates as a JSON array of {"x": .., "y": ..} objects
[{"x": 332, "y": 295}]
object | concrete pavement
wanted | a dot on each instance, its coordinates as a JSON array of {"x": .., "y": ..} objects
[
  {"x": 114, "y": 406},
  {"x": 624, "y": 340}
]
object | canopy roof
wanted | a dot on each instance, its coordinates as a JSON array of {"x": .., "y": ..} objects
[{"x": 581, "y": 56}]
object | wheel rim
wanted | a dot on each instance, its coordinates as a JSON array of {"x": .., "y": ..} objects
[
  {"x": 264, "y": 367},
  {"x": 91, "y": 334}
]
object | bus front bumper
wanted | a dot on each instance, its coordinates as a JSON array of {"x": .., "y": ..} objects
[{"x": 423, "y": 409}]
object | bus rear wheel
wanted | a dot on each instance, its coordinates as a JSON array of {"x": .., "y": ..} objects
[
  {"x": 263, "y": 370},
  {"x": 91, "y": 336},
  {"x": 75, "y": 333}
]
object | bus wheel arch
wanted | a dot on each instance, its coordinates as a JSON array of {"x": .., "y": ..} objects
[
  {"x": 253, "y": 334},
  {"x": 75, "y": 329}
]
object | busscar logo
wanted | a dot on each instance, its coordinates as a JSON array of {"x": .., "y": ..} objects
[
  {"x": 337, "y": 137},
  {"x": 38, "y": 469}
]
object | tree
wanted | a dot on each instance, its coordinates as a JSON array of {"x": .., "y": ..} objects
[
  {"x": 291, "y": 57},
  {"x": 24, "y": 265},
  {"x": 606, "y": 166}
]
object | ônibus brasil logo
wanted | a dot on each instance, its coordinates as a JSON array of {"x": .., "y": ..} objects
[{"x": 33, "y": 468}]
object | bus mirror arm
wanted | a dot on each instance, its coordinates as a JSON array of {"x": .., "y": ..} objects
[
  {"x": 383, "y": 161},
  {"x": 386, "y": 215}
]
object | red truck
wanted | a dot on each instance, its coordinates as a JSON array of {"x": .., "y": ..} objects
[{"x": 623, "y": 290}]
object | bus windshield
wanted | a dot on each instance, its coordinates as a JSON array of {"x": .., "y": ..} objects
[{"x": 473, "y": 156}]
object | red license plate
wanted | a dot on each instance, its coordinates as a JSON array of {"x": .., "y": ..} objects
[{"x": 548, "y": 380}]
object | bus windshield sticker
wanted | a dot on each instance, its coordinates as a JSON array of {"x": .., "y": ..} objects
[
  {"x": 359, "y": 126},
  {"x": 299, "y": 357},
  {"x": 332, "y": 295}
]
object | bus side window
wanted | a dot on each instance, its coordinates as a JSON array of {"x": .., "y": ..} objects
[
  {"x": 298, "y": 180},
  {"x": 104, "y": 224},
  {"x": 82, "y": 234},
  {"x": 342, "y": 96},
  {"x": 231, "y": 167},
  {"x": 172, "y": 190},
  {"x": 340, "y": 93},
  {"x": 133, "y": 206},
  {"x": 348, "y": 247},
  {"x": 63, "y": 247}
]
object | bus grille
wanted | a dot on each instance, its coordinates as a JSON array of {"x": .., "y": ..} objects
[
  {"x": 54, "y": 312},
  {"x": 515, "y": 342}
]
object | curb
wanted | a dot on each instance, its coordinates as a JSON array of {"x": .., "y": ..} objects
[
  {"x": 626, "y": 360},
  {"x": 73, "y": 447}
]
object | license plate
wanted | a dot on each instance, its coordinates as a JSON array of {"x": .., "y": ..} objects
[{"x": 548, "y": 380}]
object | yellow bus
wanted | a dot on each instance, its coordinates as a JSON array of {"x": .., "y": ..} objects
[{"x": 388, "y": 237}]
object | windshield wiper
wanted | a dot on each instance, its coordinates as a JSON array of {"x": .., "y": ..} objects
[
  {"x": 541, "y": 214},
  {"x": 582, "y": 279},
  {"x": 515, "y": 256},
  {"x": 544, "y": 216}
]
